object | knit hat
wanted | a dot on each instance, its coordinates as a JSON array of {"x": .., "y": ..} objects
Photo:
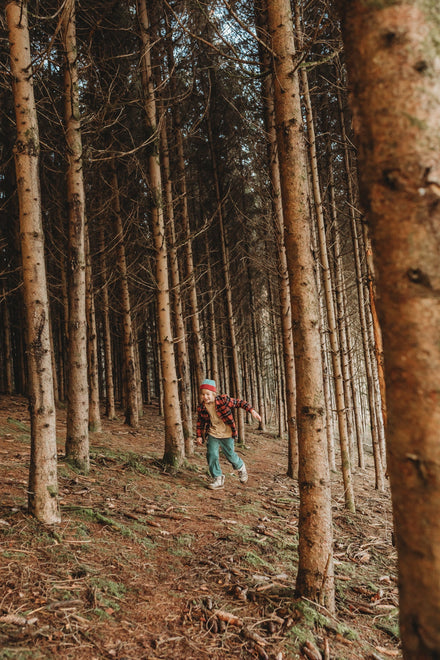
[{"x": 208, "y": 384}]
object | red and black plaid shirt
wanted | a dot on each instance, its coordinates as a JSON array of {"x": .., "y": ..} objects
[{"x": 224, "y": 406}]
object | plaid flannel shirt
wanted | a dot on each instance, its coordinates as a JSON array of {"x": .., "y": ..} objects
[{"x": 224, "y": 406}]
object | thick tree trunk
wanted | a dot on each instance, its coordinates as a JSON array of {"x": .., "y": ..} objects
[
  {"x": 394, "y": 65},
  {"x": 43, "y": 485},
  {"x": 77, "y": 438},
  {"x": 315, "y": 578},
  {"x": 174, "y": 440}
]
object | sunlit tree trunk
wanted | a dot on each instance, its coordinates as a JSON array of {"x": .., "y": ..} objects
[
  {"x": 174, "y": 440},
  {"x": 77, "y": 437},
  {"x": 43, "y": 484},
  {"x": 315, "y": 579},
  {"x": 393, "y": 61}
]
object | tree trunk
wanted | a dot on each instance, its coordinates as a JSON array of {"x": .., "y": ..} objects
[
  {"x": 184, "y": 219},
  {"x": 284, "y": 288},
  {"x": 179, "y": 321},
  {"x": 315, "y": 578},
  {"x": 228, "y": 291},
  {"x": 43, "y": 484},
  {"x": 108, "y": 362},
  {"x": 376, "y": 344},
  {"x": 174, "y": 441},
  {"x": 92, "y": 344},
  {"x": 129, "y": 380},
  {"x": 394, "y": 65},
  {"x": 215, "y": 373},
  {"x": 335, "y": 352},
  {"x": 362, "y": 308},
  {"x": 8, "y": 365},
  {"x": 343, "y": 320},
  {"x": 54, "y": 363},
  {"x": 77, "y": 438}
]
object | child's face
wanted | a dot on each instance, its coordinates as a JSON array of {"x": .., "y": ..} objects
[{"x": 207, "y": 396}]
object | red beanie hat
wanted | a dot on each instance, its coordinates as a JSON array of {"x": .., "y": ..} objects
[{"x": 208, "y": 384}]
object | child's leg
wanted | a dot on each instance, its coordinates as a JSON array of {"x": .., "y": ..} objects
[
  {"x": 212, "y": 456},
  {"x": 227, "y": 445}
]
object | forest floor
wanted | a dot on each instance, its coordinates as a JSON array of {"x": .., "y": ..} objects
[{"x": 148, "y": 563}]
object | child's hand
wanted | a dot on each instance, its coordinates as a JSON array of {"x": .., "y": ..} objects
[
  {"x": 199, "y": 441},
  {"x": 255, "y": 415}
]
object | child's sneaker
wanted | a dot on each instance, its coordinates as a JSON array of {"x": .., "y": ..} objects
[
  {"x": 242, "y": 474},
  {"x": 217, "y": 483}
]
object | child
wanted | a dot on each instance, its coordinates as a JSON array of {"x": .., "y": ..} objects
[{"x": 214, "y": 416}]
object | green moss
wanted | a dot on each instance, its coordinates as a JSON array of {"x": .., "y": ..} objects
[
  {"x": 296, "y": 637},
  {"x": 19, "y": 425},
  {"x": 311, "y": 615},
  {"x": 390, "y": 624},
  {"x": 347, "y": 632},
  {"x": 254, "y": 560},
  {"x": 107, "y": 586}
]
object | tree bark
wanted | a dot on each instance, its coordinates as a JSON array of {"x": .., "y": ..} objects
[
  {"x": 215, "y": 373},
  {"x": 179, "y": 321},
  {"x": 315, "y": 578},
  {"x": 343, "y": 322},
  {"x": 362, "y": 307},
  {"x": 174, "y": 441},
  {"x": 92, "y": 344},
  {"x": 341, "y": 409},
  {"x": 8, "y": 365},
  {"x": 129, "y": 379},
  {"x": 283, "y": 274},
  {"x": 77, "y": 438},
  {"x": 184, "y": 219},
  {"x": 228, "y": 290},
  {"x": 108, "y": 362},
  {"x": 43, "y": 499},
  {"x": 394, "y": 66}
]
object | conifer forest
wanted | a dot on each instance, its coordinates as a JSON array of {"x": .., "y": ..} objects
[{"x": 239, "y": 197}]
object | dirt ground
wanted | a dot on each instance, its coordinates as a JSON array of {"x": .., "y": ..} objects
[{"x": 151, "y": 564}]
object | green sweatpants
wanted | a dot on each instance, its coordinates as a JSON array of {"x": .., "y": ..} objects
[{"x": 213, "y": 446}]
